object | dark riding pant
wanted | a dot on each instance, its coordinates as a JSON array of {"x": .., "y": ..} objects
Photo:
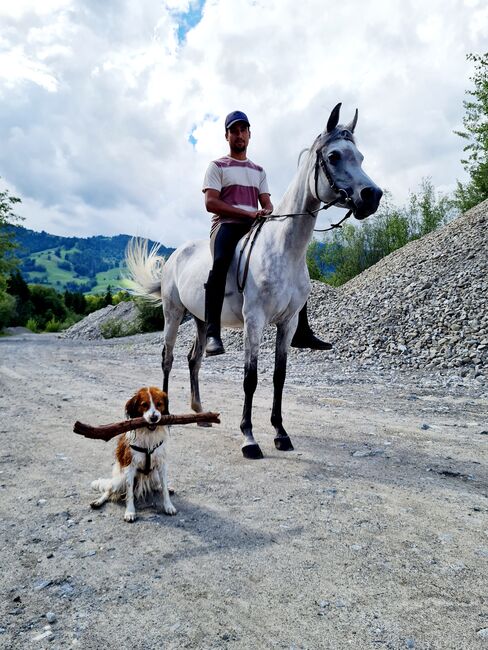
[{"x": 223, "y": 245}]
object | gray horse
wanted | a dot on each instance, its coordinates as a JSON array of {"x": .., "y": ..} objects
[{"x": 277, "y": 283}]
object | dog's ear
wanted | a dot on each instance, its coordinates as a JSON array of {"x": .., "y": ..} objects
[{"x": 132, "y": 407}]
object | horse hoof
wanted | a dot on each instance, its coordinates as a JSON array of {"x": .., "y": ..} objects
[
  {"x": 252, "y": 451},
  {"x": 283, "y": 443}
]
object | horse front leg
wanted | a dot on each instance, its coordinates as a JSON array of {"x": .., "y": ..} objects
[
  {"x": 284, "y": 335},
  {"x": 252, "y": 337}
]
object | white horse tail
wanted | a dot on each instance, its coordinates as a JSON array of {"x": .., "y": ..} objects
[{"x": 145, "y": 268}]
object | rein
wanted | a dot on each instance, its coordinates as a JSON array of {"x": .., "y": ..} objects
[{"x": 260, "y": 221}]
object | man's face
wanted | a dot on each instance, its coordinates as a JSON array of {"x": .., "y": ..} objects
[{"x": 238, "y": 137}]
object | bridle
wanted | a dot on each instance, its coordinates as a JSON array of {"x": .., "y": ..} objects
[{"x": 320, "y": 163}]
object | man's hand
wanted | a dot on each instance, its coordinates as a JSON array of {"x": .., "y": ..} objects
[{"x": 263, "y": 212}]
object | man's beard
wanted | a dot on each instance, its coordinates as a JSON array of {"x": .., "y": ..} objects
[{"x": 239, "y": 148}]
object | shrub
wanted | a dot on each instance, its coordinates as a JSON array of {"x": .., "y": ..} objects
[
  {"x": 53, "y": 325},
  {"x": 114, "y": 328},
  {"x": 151, "y": 317},
  {"x": 32, "y": 325}
]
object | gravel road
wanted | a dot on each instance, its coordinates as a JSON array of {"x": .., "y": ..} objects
[{"x": 373, "y": 533}]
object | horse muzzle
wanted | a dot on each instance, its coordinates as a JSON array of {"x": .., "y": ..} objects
[{"x": 368, "y": 202}]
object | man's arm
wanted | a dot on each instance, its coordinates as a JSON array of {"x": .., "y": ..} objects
[
  {"x": 215, "y": 205},
  {"x": 266, "y": 205}
]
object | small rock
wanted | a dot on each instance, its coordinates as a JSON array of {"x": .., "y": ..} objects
[
  {"x": 323, "y": 603},
  {"x": 51, "y": 617},
  {"x": 410, "y": 643},
  {"x": 42, "y": 585},
  {"x": 483, "y": 633},
  {"x": 424, "y": 426},
  {"x": 44, "y": 636}
]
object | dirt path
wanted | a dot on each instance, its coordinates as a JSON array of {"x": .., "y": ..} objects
[{"x": 373, "y": 533}]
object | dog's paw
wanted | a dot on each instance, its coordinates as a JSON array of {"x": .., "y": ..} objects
[
  {"x": 169, "y": 509},
  {"x": 130, "y": 517},
  {"x": 95, "y": 504}
]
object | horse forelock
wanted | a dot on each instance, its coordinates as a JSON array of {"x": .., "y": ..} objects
[{"x": 339, "y": 133}]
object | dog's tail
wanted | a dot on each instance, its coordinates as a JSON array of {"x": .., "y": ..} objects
[{"x": 145, "y": 268}]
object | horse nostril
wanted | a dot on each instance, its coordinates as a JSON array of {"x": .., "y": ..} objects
[{"x": 371, "y": 194}]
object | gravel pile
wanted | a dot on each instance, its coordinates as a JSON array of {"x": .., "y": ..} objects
[
  {"x": 422, "y": 307},
  {"x": 123, "y": 316}
]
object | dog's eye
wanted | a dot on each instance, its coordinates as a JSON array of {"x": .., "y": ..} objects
[{"x": 144, "y": 405}]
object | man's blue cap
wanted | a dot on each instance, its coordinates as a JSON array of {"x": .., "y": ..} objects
[{"x": 235, "y": 116}]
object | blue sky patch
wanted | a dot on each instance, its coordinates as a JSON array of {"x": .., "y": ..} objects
[
  {"x": 207, "y": 117},
  {"x": 188, "y": 19}
]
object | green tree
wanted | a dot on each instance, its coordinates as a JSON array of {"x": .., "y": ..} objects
[
  {"x": 48, "y": 305},
  {"x": 7, "y": 241},
  {"x": 7, "y": 261},
  {"x": 19, "y": 289},
  {"x": 107, "y": 299},
  {"x": 475, "y": 123}
]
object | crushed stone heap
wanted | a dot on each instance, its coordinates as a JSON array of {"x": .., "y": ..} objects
[{"x": 423, "y": 306}]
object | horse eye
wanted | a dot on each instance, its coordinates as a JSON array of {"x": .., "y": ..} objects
[{"x": 334, "y": 157}]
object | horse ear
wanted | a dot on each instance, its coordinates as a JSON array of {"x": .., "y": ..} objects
[
  {"x": 350, "y": 127},
  {"x": 334, "y": 118}
]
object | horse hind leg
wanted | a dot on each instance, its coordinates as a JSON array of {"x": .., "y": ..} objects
[
  {"x": 194, "y": 363},
  {"x": 172, "y": 321},
  {"x": 283, "y": 336}
]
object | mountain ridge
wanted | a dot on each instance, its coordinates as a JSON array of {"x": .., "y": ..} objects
[{"x": 86, "y": 264}]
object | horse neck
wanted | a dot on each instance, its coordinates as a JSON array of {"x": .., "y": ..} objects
[{"x": 298, "y": 198}]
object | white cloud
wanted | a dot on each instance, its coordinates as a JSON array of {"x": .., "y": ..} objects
[{"x": 97, "y": 101}]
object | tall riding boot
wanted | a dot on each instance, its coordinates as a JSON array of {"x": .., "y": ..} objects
[
  {"x": 304, "y": 337},
  {"x": 214, "y": 299}
]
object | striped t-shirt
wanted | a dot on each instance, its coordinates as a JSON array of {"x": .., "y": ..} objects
[{"x": 240, "y": 182}]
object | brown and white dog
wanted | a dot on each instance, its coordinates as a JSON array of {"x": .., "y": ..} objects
[{"x": 140, "y": 457}]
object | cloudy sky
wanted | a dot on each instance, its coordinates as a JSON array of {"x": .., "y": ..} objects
[{"x": 110, "y": 109}]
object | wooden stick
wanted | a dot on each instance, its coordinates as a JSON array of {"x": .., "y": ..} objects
[{"x": 108, "y": 431}]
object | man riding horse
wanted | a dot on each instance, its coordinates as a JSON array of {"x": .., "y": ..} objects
[{"x": 233, "y": 186}]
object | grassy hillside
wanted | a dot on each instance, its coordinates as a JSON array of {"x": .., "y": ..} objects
[{"x": 89, "y": 264}]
